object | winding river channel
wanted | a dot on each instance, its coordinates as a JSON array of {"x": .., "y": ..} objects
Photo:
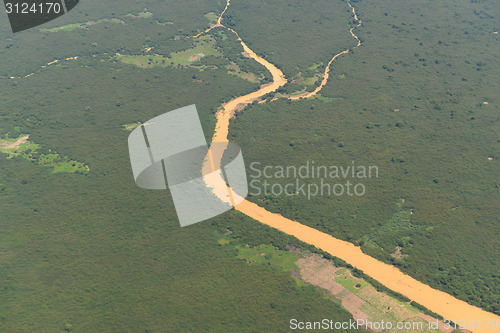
[{"x": 437, "y": 301}]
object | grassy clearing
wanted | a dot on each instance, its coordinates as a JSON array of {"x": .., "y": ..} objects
[
  {"x": 141, "y": 15},
  {"x": 267, "y": 254},
  {"x": 68, "y": 27},
  {"x": 416, "y": 111},
  {"x": 306, "y": 80},
  {"x": 202, "y": 48},
  {"x": 59, "y": 164},
  {"x": 310, "y": 80},
  {"x": 144, "y": 61},
  {"x": 212, "y": 17},
  {"x": 29, "y": 150},
  {"x": 131, "y": 126},
  {"x": 314, "y": 66},
  {"x": 351, "y": 283},
  {"x": 85, "y": 25},
  {"x": 399, "y": 226},
  {"x": 164, "y": 23},
  {"x": 315, "y": 271},
  {"x": 235, "y": 70},
  {"x": 16, "y": 146},
  {"x": 223, "y": 241}
]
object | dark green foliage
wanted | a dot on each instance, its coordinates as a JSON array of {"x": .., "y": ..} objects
[
  {"x": 427, "y": 130},
  {"x": 101, "y": 254},
  {"x": 293, "y": 35},
  {"x": 93, "y": 252},
  {"x": 97, "y": 253}
]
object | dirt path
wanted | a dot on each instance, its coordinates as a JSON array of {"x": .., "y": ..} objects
[{"x": 43, "y": 66}]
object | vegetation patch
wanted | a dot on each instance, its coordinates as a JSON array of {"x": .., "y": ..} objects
[
  {"x": 131, "y": 126},
  {"x": 211, "y": 17},
  {"x": 43, "y": 157},
  {"x": 326, "y": 99},
  {"x": 16, "y": 146},
  {"x": 351, "y": 283},
  {"x": 144, "y": 14},
  {"x": 235, "y": 70},
  {"x": 190, "y": 57},
  {"x": 84, "y": 25},
  {"x": 269, "y": 255}
]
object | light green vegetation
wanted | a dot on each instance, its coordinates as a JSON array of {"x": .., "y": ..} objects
[
  {"x": 235, "y": 70},
  {"x": 310, "y": 80},
  {"x": 131, "y": 126},
  {"x": 85, "y": 25},
  {"x": 117, "y": 272},
  {"x": 30, "y": 151},
  {"x": 164, "y": 23},
  {"x": 267, "y": 254},
  {"x": 59, "y": 163},
  {"x": 223, "y": 241},
  {"x": 144, "y": 14},
  {"x": 398, "y": 228},
  {"x": 17, "y": 146},
  {"x": 350, "y": 282},
  {"x": 144, "y": 61},
  {"x": 96, "y": 251},
  {"x": 201, "y": 48},
  {"x": 314, "y": 66},
  {"x": 212, "y": 17}
]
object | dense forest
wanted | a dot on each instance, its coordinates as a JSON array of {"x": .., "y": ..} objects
[
  {"x": 90, "y": 251},
  {"x": 93, "y": 251},
  {"x": 417, "y": 99}
]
